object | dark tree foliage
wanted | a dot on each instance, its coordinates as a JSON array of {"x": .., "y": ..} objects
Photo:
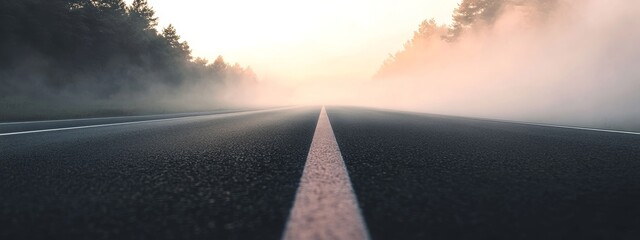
[
  {"x": 93, "y": 47},
  {"x": 143, "y": 15}
]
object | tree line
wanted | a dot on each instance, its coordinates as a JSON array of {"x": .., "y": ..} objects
[
  {"x": 470, "y": 15},
  {"x": 95, "y": 48}
]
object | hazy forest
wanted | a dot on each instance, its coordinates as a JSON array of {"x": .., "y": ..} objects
[
  {"x": 470, "y": 16},
  {"x": 79, "y": 58},
  {"x": 555, "y": 61}
]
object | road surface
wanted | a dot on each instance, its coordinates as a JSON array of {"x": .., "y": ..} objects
[{"x": 239, "y": 175}]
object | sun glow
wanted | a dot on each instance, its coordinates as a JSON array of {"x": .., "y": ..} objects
[{"x": 291, "y": 41}]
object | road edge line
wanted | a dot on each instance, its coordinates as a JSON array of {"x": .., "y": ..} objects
[{"x": 133, "y": 122}]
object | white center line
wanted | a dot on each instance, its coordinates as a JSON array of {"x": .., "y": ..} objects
[{"x": 325, "y": 206}]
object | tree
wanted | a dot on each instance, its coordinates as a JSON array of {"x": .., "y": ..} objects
[
  {"x": 171, "y": 36},
  {"x": 143, "y": 15},
  {"x": 471, "y": 12},
  {"x": 219, "y": 65},
  {"x": 469, "y": 15},
  {"x": 173, "y": 40},
  {"x": 116, "y": 7},
  {"x": 201, "y": 61},
  {"x": 99, "y": 49},
  {"x": 415, "y": 50}
]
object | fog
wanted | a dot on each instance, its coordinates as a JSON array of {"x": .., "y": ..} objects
[
  {"x": 28, "y": 92},
  {"x": 70, "y": 59},
  {"x": 42, "y": 102},
  {"x": 569, "y": 62},
  {"x": 576, "y": 63}
]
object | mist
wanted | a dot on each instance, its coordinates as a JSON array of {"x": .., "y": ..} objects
[
  {"x": 548, "y": 61},
  {"x": 73, "y": 59},
  {"x": 30, "y": 95},
  {"x": 556, "y": 62}
]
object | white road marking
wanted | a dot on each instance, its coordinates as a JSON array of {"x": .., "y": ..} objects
[
  {"x": 89, "y": 126},
  {"x": 552, "y": 125},
  {"x": 136, "y": 122},
  {"x": 512, "y": 121},
  {"x": 325, "y": 206},
  {"x": 89, "y": 119},
  {"x": 570, "y": 127},
  {"x": 177, "y": 115}
]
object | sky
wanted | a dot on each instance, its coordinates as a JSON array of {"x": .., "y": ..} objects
[{"x": 296, "y": 41}]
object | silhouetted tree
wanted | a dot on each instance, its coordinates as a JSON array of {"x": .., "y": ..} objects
[
  {"x": 173, "y": 39},
  {"x": 143, "y": 15}
]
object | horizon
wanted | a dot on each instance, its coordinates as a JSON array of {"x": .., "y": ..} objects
[{"x": 313, "y": 47}]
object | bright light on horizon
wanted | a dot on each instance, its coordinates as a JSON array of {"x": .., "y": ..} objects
[{"x": 293, "y": 41}]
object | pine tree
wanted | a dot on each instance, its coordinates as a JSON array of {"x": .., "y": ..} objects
[
  {"x": 116, "y": 7},
  {"x": 173, "y": 40},
  {"x": 470, "y": 12},
  {"x": 143, "y": 15}
]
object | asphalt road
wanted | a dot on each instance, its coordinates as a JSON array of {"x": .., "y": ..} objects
[
  {"x": 221, "y": 176},
  {"x": 10, "y": 127},
  {"x": 421, "y": 176},
  {"x": 235, "y": 176}
]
